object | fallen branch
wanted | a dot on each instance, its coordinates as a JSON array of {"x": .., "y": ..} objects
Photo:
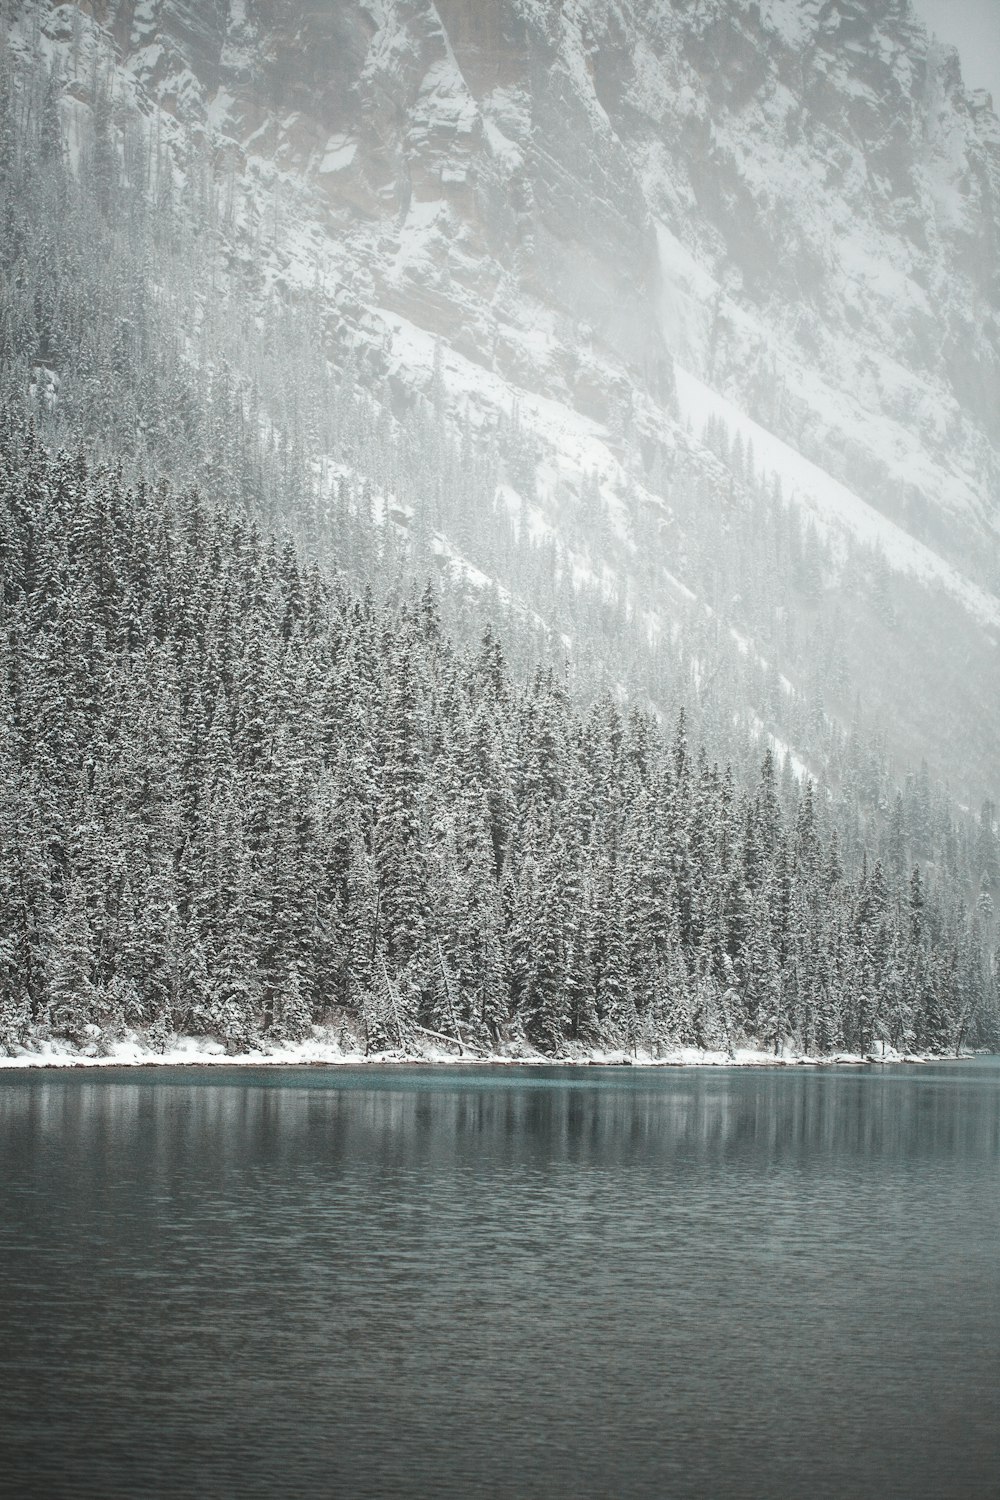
[{"x": 441, "y": 1036}]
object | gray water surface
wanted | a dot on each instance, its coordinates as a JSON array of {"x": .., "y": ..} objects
[{"x": 524, "y": 1282}]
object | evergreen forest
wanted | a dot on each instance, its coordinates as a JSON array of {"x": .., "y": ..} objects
[{"x": 239, "y": 799}]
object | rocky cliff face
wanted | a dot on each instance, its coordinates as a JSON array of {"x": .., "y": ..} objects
[
  {"x": 797, "y": 200},
  {"x": 633, "y": 217}
]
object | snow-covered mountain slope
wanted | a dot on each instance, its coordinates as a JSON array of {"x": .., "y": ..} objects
[
  {"x": 803, "y": 190},
  {"x": 794, "y": 202}
]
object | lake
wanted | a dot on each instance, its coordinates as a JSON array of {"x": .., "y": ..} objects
[{"x": 500, "y": 1282}]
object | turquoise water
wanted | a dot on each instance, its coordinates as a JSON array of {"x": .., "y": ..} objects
[{"x": 527, "y": 1282}]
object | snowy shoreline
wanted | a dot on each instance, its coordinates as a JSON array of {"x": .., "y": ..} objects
[{"x": 186, "y": 1052}]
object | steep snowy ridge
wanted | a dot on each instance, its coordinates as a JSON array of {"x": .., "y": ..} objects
[
  {"x": 795, "y": 200},
  {"x": 834, "y": 506},
  {"x": 501, "y": 178}
]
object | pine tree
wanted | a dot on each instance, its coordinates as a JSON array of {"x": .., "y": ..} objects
[{"x": 70, "y": 994}]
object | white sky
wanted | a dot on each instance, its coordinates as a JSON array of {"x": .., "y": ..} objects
[{"x": 973, "y": 26}]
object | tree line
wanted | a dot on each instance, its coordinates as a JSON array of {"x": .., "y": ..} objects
[{"x": 239, "y": 798}]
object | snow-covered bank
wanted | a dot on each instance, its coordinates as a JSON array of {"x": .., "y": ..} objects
[{"x": 324, "y": 1050}]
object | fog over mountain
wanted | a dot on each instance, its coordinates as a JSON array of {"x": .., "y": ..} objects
[
  {"x": 973, "y": 26},
  {"x": 640, "y": 226},
  {"x": 663, "y": 336}
]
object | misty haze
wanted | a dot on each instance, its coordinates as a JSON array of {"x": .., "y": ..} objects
[{"x": 499, "y": 576}]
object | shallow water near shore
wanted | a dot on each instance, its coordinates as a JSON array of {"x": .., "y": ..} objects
[{"x": 524, "y": 1282}]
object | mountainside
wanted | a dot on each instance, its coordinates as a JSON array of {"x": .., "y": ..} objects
[
  {"x": 497, "y": 532},
  {"x": 694, "y": 257},
  {"x": 796, "y": 200}
]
